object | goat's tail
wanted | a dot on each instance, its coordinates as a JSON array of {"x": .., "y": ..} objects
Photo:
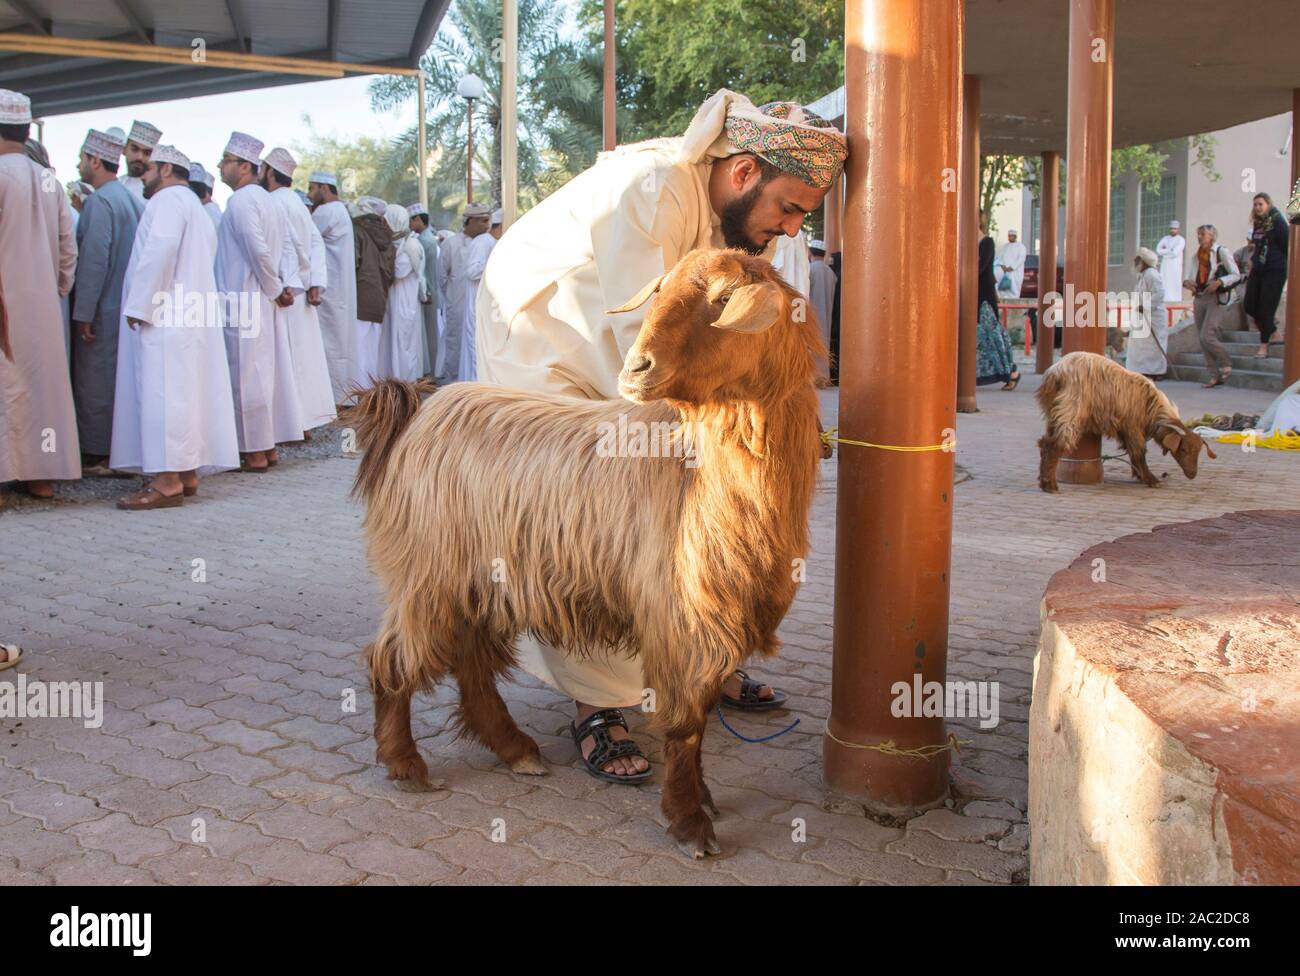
[{"x": 379, "y": 415}]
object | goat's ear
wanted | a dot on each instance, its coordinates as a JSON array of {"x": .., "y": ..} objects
[
  {"x": 1170, "y": 441},
  {"x": 751, "y": 308},
  {"x": 640, "y": 298},
  {"x": 1206, "y": 445}
]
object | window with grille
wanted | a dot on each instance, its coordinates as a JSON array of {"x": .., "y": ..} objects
[
  {"x": 1157, "y": 211},
  {"x": 1118, "y": 217}
]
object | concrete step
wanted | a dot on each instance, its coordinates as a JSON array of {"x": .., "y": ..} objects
[
  {"x": 1248, "y": 379},
  {"x": 1246, "y": 363},
  {"x": 1250, "y": 336},
  {"x": 1248, "y": 349}
]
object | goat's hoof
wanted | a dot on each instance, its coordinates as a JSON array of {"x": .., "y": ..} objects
[
  {"x": 411, "y": 775},
  {"x": 1049, "y": 488},
  {"x": 700, "y": 848},
  {"x": 529, "y": 766}
]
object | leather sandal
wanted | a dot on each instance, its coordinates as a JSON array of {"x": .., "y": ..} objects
[
  {"x": 148, "y": 498},
  {"x": 605, "y": 747},
  {"x": 10, "y": 654},
  {"x": 749, "y": 699}
]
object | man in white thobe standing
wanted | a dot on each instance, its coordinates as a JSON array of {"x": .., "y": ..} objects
[
  {"x": 428, "y": 239},
  {"x": 38, "y": 424},
  {"x": 140, "y": 144},
  {"x": 338, "y": 308},
  {"x": 740, "y": 177},
  {"x": 454, "y": 278},
  {"x": 821, "y": 296},
  {"x": 1010, "y": 263},
  {"x": 256, "y": 275},
  {"x": 315, "y": 392},
  {"x": 476, "y": 259},
  {"x": 173, "y": 416},
  {"x": 202, "y": 182},
  {"x": 1170, "y": 252}
]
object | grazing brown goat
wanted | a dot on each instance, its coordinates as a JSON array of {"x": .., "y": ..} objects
[
  {"x": 492, "y": 512},
  {"x": 1084, "y": 393}
]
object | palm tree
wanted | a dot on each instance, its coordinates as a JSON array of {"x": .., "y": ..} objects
[{"x": 558, "y": 104}]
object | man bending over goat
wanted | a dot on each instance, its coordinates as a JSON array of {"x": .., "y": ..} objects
[
  {"x": 1084, "y": 393},
  {"x": 740, "y": 177}
]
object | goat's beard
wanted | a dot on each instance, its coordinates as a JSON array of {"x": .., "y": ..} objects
[{"x": 735, "y": 215}]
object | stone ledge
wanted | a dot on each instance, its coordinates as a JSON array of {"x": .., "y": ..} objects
[{"x": 1164, "y": 736}]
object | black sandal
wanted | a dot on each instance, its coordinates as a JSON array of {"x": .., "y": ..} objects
[
  {"x": 597, "y": 726},
  {"x": 749, "y": 699}
]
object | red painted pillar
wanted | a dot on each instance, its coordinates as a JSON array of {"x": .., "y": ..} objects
[{"x": 898, "y": 352}]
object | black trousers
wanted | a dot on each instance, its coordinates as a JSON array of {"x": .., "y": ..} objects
[{"x": 1263, "y": 293}]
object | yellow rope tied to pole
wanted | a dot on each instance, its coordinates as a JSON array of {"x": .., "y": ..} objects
[
  {"x": 890, "y": 749},
  {"x": 831, "y": 434}
]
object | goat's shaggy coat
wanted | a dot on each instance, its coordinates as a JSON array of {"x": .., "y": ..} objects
[
  {"x": 492, "y": 512},
  {"x": 1084, "y": 393}
]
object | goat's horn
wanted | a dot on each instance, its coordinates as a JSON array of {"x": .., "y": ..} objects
[{"x": 640, "y": 298}]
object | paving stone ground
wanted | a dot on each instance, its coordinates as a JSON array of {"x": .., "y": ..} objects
[{"x": 227, "y": 634}]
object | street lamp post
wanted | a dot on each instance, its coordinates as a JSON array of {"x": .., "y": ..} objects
[{"x": 469, "y": 88}]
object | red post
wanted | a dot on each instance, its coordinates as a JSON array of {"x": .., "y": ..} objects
[
  {"x": 968, "y": 240},
  {"x": 903, "y": 69},
  {"x": 1049, "y": 194},
  {"x": 1087, "y": 200}
]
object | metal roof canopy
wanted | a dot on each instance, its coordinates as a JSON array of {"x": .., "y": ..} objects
[
  {"x": 80, "y": 55},
  {"x": 1182, "y": 67}
]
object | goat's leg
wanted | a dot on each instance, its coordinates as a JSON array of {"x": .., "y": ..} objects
[
  {"x": 683, "y": 797},
  {"x": 1137, "y": 460},
  {"x": 1050, "y": 450},
  {"x": 482, "y": 710},
  {"x": 706, "y": 797},
  {"x": 394, "y": 744}
]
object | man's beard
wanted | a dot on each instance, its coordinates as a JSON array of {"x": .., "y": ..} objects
[
  {"x": 734, "y": 217},
  {"x": 136, "y": 168}
]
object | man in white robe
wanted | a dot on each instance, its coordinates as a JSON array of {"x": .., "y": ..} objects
[
  {"x": 202, "y": 182},
  {"x": 140, "y": 145},
  {"x": 428, "y": 239},
  {"x": 1010, "y": 263},
  {"x": 257, "y": 274},
  {"x": 38, "y": 424},
  {"x": 315, "y": 393},
  {"x": 1170, "y": 252},
  {"x": 732, "y": 180},
  {"x": 105, "y": 235},
  {"x": 173, "y": 416},
  {"x": 455, "y": 285},
  {"x": 821, "y": 296},
  {"x": 476, "y": 259},
  {"x": 338, "y": 308}
]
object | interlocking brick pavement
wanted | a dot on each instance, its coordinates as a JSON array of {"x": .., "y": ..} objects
[{"x": 227, "y": 635}]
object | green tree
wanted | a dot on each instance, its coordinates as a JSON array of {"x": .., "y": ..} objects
[
  {"x": 673, "y": 54},
  {"x": 558, "y": 103},
  {"x": 356, "y": 163}
]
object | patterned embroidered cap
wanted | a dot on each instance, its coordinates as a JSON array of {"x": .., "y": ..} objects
[
  {"x": 144, "y": 134},
  {"x": 281, "y": 161},
  {"x": 328, "y": 179},
  {"x": 245, "y": 147},
  {"x": 791, "y": 138},
  {"x": 15, "y": 107},
  {"x": 417, "y": 209},
  {"x": 103, "y": 145},
  {"x": 170, "y": 154},
  {"x": 200, "y": 175}
]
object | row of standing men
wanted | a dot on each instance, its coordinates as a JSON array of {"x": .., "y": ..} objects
[{"x": 159, "y": 273}]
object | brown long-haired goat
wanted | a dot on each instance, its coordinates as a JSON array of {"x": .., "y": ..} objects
[
  {"x": 1084, "y": 393},
  {"x": 492, "y": 512}
]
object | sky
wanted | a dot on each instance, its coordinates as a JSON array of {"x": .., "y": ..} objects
[{"x": 199, "y": 127}]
